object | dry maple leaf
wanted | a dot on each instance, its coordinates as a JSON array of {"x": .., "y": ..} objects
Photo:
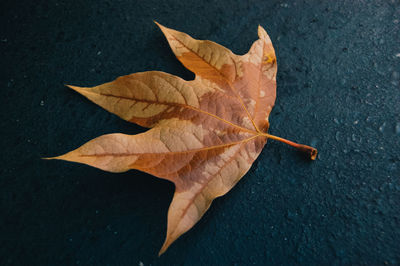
[{"x": 205, "y": 133}]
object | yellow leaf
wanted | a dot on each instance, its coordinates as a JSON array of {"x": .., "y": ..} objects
[{"x": 204, "y": 134}]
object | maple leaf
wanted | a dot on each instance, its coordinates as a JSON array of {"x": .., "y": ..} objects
[{"x": 205, "y": 133}]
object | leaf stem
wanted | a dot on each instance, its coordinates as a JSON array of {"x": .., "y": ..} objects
[{"x": 303, "y": 148}]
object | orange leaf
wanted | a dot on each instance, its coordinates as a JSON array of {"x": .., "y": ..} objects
[{"x": 205, "y": 133}]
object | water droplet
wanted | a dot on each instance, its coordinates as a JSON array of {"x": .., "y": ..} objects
[
  {"x": 41, "y": 103},
  {"x": 337, "y": 136},
  {"x": 369, "y": 119},
  {"x": 99, "y": 53},
  {"x": 355, "y": 122},
  {"x": 291, "y": 215},
  {"x": 392, "y": 167},
  {"x": 313, "y": 142},
  {"x": 336, "y": 120},
  {"x": 382, "y": 127},
  {"x": 398, "y": 128}
]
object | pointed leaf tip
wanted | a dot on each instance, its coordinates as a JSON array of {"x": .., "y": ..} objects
[
  {"x": 159, "y": 25},
  {"x": 164, "y": 248},
  {"x": 262, "y": 33},
  {"x": 75, "y": 88},
  {"x": 60, "y": 157}
]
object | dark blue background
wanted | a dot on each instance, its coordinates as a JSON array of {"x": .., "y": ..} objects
[{"x": 338, "y": 89}]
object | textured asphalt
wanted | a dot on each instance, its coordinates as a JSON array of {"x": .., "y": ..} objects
[{"x": 338, "y": 89}]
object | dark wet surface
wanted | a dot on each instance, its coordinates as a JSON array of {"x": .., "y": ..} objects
[{"x": 338, "y": 90}]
